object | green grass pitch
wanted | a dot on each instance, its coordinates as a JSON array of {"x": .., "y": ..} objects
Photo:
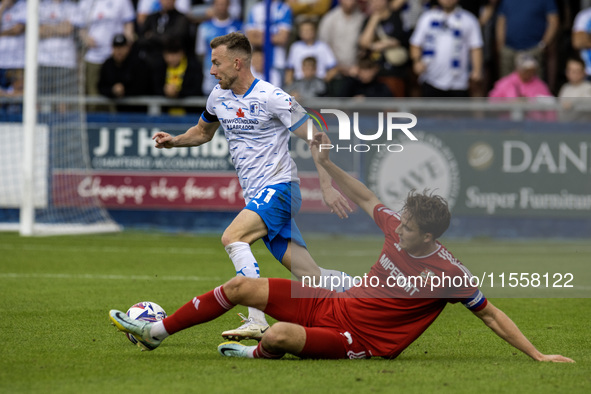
[{"x": 55, "y": 336}]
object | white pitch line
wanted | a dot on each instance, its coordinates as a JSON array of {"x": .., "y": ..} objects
[
  {"x": 108, "y": 249},
  {"x": 11, "y": 275}
]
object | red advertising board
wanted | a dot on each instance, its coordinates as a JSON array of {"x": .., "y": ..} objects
[{"x": 137, "y": 190}]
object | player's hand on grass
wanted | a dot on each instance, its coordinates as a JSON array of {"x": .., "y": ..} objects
[
  {"x": 556, "y": 358},
  {"x": 336, "y": 202},
  {"x": 163, "y": 140}
]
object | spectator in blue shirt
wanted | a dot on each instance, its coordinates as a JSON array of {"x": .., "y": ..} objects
[{"x": 526, "y": 26}]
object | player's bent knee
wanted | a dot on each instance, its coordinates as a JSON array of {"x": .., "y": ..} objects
[
  {"x": 277, "y": 336},
  {"x": 240, "y": 289}
]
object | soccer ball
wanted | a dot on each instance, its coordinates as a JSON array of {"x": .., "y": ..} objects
[{"x": 145, "y": 311}]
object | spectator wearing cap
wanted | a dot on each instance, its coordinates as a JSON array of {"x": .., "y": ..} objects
[
  {"x": 124, "y": 74},
  {"x": 100, "y": 21},
  {"x": 524, "y": 83}
]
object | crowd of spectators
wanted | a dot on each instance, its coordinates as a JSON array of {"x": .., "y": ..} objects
[{"x": 344, "y": 48}]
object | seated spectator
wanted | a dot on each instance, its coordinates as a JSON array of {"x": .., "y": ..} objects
[
  {"x": 384, "y": 39},
  {"x": 179, "y": 77},
  {"x": 13, "y": 17},
  {"x": 124, "y": 74},
  {"x": 524, "y": 83},
  {"x": 220, "y": 24},
  {"x": 309, "y": 46},
  {"x": 310, "y": 85},
  {"x": 147, "y": 7},
  {"x": 366, "y": 82},
  {"x": 576, "y": 89},
  {"x": 257, "y": 67},
  {"x": 163, "y": 26}
]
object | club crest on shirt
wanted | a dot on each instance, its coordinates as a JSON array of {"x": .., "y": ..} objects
[{"x": 255, "y": 109}]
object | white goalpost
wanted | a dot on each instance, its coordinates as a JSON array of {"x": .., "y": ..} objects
[{"x": 41, "y": 171}]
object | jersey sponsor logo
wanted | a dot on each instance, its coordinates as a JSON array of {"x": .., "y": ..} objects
[
  {"x": 226, "y": 105},
  {"x": 239, "y": 113},
  {"x": 255, "y": 109},
  {"x": 395, "y": 272}
]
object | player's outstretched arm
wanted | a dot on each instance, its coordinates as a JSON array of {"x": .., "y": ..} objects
[
  {"x": 333, "y": 199},
  {"x": 504, "y": 327},
  {"x": 197, "y": 135},
  {"x": 354, "y": 189}
]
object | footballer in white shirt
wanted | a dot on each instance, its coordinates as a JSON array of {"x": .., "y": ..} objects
[{"x": 257, "y": 119}]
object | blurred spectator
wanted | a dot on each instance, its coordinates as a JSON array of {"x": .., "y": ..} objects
[
  {"x": 281, "y": 21},
  {"x": 581, "y": 37},
  {"x": 124, "y": 74},
  {"x": 446, "y": 50},
  {"x": 13, "y": 17},
  {"x": 384, "y": 39},
  {"x": 257, "y": 67},
  {"x": 163, "y": 26},
  {"x": 179, "y": 77},
  {"x": 100, "y": 21},
  {"x": 576, "y": 89},
  {"x": 12, "y": 86},
  {"x": 309, "y": 9},
  {"x": 57, "y": 52},
  {"x": 202, "y": 10},
  {"x": 147, "y": 7},
  {"x": 340, "y": 29},
  {"x": 309, "y": 46},
  {"x": 365, "y": 83},
  {"x": 523, "y": 82},
  {"x": 219, "y": 25},
  {"x": 309, "y": 85},
  {"x": 528, "y": 26}
]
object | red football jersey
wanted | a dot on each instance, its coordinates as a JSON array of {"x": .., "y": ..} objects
[{"x": 394, "y": 306}]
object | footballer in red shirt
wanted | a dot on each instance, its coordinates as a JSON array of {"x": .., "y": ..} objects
[{"x": 403, "y": 293}]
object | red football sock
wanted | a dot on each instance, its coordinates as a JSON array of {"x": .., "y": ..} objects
[
  {"x": 199, "y": 310},
  {"x": 261, "y": 352}
]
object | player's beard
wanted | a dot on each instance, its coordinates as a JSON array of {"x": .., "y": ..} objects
[{"x": 227, "y": 82}]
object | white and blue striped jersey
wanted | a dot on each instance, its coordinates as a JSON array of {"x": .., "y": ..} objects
[{"x": 257, "y": 126}]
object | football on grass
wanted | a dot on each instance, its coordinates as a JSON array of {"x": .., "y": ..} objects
[{"x": 145, "y": 311}]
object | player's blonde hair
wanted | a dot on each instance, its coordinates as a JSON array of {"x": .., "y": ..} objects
[{"x": 429, "y": 211}]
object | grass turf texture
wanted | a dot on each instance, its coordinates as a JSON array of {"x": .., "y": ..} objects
[{"x": 56, "y": 338}]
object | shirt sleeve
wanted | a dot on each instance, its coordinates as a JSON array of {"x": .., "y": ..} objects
[
  {"x": 287, "y": 109},
  {"x": 209, "y": 114},
  {"x": 385, "y": 218}
]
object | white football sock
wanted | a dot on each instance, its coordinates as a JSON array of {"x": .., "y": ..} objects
[
  {"x": 246, "y": 265},
  {"x": 158, "y": 331}
]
